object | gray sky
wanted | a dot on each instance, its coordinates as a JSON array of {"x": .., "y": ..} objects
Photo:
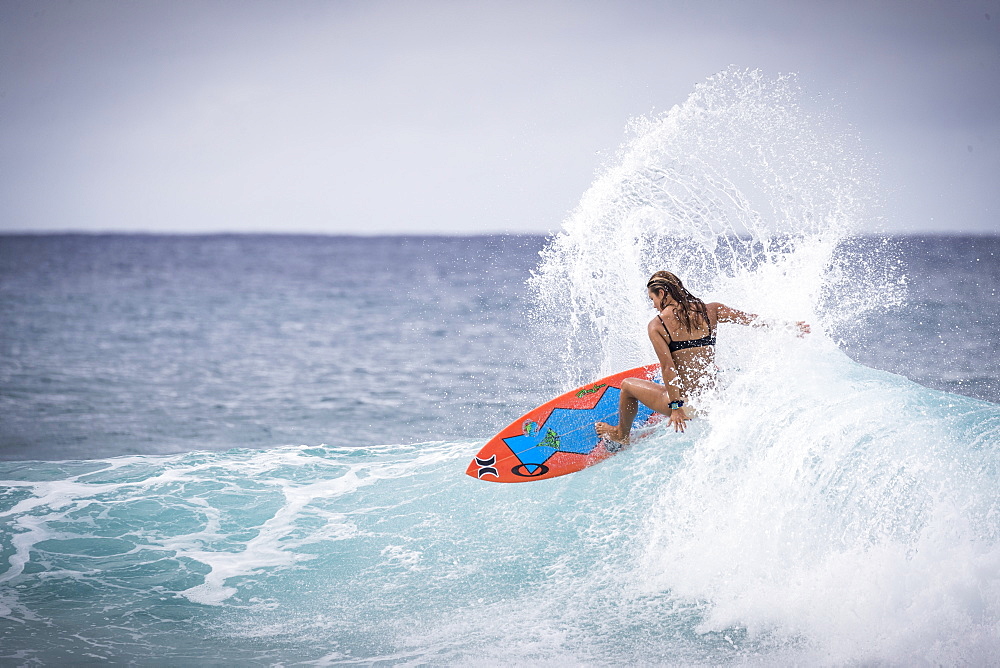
[{"x": 413, "y": 116}]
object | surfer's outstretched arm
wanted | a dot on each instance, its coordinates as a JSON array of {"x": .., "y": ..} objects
[{"x": 727, "y": 314}]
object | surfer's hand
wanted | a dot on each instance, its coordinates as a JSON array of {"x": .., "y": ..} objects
[
  {"x": 677, "y": 418},
  {"x": 803, "y": 328}
]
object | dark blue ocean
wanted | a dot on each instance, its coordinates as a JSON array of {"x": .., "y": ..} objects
[
  {"x": 118, "y": 345},
  {"x": 122, "y": 345},
  {"x": 250, "y": 449}
]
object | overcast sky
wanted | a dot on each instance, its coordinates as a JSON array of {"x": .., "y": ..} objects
[{"x": 413, "y": 116}]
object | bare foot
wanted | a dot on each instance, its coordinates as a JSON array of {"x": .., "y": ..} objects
[{"x": 610, "y": 432}]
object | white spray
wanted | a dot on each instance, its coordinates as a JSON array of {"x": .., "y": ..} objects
[{"x": 845, "y": 513}]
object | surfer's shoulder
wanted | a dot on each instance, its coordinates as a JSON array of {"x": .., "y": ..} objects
[
  {"x": 657, "y": 328},
  {"x": 713, "y": 311},
  {"x": 658, "y": 319}
]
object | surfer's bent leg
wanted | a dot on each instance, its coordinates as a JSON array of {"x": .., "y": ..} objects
[{"x": 633, "y": 391}]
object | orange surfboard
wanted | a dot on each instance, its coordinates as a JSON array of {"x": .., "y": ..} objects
[{"x": 558, "y": 437}]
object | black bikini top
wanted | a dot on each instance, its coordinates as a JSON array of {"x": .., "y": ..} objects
[{"x": 674, "y": 346}]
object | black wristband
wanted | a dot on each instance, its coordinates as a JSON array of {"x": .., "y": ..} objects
[{"x": 676, "y": 403}]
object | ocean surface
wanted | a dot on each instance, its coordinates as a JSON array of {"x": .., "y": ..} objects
[{"x": 250, "y": 449}]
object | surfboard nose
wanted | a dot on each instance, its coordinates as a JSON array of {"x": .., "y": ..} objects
[{"x": 481, "y": 467}]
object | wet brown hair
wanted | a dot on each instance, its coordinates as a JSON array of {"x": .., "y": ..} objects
[{"x": 664, "y": 281}]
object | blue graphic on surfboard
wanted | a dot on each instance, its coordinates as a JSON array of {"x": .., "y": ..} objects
[{"x": 558, "y": 437}]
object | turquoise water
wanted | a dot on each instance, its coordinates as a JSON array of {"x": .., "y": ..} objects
[
  {"x": 186, "y": 479},
  {"x": 869, "y": 536}
]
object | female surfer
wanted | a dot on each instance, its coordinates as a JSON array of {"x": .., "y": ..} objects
[{"x": 683, "y": 336}]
